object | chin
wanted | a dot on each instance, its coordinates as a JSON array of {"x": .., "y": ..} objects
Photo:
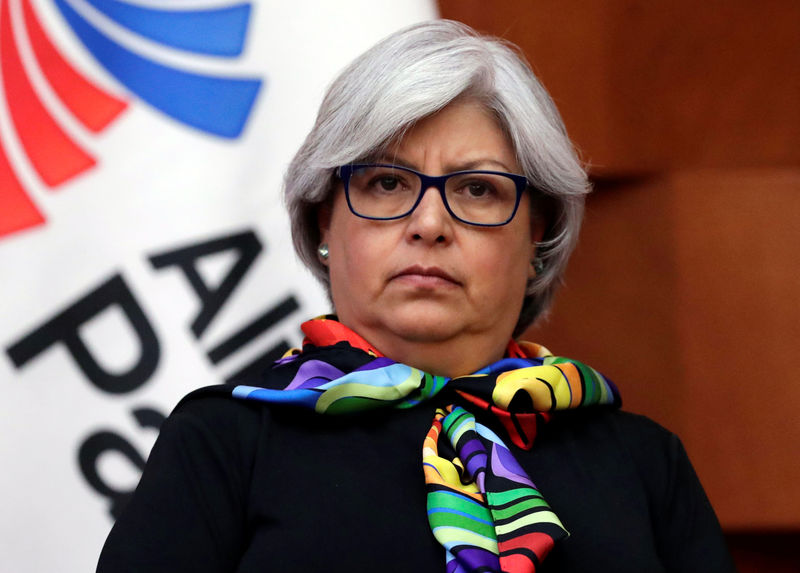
[{"x": 427, "y": 325}]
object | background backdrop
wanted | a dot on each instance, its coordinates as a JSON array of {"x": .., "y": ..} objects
[
  {"x": 144, "y": 250},
  {"x": 685, "y": 286}
]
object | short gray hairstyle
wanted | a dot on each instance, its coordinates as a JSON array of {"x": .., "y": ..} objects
[{"x": 413, "y": 74}]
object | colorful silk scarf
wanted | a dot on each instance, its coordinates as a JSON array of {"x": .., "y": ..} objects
[{"x": 482, "y": 506}]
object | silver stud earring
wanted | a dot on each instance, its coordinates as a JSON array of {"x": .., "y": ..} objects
[
  {"x": 323, "y": 252},
  {"x": 538, "y": 265}
]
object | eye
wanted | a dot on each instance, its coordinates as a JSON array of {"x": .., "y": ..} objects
[
  {"x": 478, "y": 189},
  {"x": 387, "y": 182},
  {"x": 475, "y": 189}
]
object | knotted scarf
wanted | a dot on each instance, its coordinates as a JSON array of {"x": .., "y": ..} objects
[{"x": 482, "y": 506}]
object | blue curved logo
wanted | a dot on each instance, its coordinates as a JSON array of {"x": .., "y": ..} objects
[{"x": 219, "y": 105}]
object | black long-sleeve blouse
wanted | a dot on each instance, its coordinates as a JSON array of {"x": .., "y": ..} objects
[{"x": 239, "y": 486}]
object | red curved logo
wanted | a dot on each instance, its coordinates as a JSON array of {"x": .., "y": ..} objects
[{"x": 50, "y": 151}]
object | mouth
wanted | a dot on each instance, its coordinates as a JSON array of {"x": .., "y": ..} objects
[{"x": 426, "y": 276}]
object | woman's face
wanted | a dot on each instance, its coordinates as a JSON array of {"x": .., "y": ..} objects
[{"x": 426, "y": 284}]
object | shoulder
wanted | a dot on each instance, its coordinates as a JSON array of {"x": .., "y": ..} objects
[
  {"x": 312, "y": 362},
  {"x": 656, "y": 451},
  {"x": 618, "y": 427},
  {"x": 216, "y": 401},
  {"x": 633, "y": 448},
  {"x": 211, "y": 417},
  {"x": 610, "y": 425},
  {"x": 214, "y": 409},
  {"x": 651, "y": 447}
]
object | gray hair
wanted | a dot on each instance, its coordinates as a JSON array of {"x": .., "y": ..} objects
[{"x": 413, "y": 74}]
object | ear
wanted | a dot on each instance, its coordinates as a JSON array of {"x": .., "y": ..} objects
[
  {"x": 324, "y": 218},
  {"x": 532, "y": 263},
  {"x": 537, "y": 233},
  {"x": 324, "y": 224}
]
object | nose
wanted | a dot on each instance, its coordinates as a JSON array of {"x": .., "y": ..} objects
[{"x": 430, "y": 222}]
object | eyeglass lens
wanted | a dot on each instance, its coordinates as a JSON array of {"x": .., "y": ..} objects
[{"x": 386, "y": 192}]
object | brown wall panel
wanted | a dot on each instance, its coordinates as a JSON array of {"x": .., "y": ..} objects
[
  {"x": 645, "y": 86},
  {"x": 738, "y": 314},
  {"x": 685, "y": 289}
]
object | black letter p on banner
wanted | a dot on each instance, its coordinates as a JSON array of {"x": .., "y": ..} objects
[{"x": 64, "y": 327}]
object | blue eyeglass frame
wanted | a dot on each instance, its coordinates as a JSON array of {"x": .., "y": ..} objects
[{"x": 345, "y": 171}]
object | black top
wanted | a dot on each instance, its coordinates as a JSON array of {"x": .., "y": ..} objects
[{"x": 238, "y": 486}]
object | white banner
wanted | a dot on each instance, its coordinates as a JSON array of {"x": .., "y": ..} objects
[{"x": 144, "y": 249}]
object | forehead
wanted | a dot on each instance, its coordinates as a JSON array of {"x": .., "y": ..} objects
[{"x": 463, "y": 135}]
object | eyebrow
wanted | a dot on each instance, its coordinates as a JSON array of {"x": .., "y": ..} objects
[{"x": 476, "y": 164}]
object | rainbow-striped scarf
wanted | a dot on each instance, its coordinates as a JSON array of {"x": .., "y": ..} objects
[{"x": 482, "y": 506}]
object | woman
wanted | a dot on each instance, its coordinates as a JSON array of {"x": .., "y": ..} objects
[{"x": 438, "y": 199}]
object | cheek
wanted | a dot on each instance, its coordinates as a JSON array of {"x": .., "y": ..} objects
[
  {"x": 356, "y": 258},
  {"x": 342, "y": 240},
  {"x": 344, "y": 263},
  {"x": 505, "y": 267}
]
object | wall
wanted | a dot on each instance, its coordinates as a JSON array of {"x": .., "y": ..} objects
[{"x": 685, "y": 287}]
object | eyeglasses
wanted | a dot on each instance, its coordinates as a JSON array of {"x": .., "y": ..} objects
[{"x": 386, "y": 192}]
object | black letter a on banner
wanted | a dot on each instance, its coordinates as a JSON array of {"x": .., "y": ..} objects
[{"x": 246, "y": 244}]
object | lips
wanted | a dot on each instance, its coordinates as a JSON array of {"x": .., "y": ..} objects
[{"x": 422, "y": 276}]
